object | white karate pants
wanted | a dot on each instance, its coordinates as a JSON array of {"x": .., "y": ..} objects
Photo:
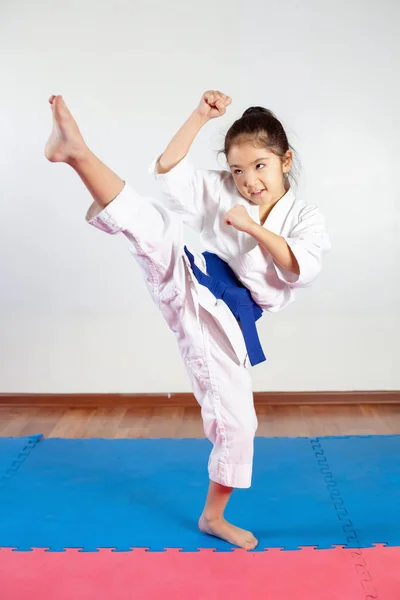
[{"x": 208, "y": 336}]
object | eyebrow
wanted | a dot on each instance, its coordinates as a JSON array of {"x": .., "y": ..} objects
[{"x": 253, "y": 163}]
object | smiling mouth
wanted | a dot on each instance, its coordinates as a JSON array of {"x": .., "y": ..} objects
[{"x": 257, "y": 193}]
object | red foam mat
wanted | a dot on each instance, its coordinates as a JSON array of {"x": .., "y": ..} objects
[{"x": 306, "y": 574}]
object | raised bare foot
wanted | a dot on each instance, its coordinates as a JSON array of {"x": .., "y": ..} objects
[
  {"x": 230, "y": 533},
  {"x": 65, "y": 142}
]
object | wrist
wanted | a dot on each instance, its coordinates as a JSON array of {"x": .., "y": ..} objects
[
  {"x": 198, "y": 119},
  {"x": 253, "y": 228}
]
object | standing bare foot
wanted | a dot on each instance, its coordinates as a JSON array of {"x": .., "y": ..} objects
[
  {"x": 65, "y": 142},
  {"x": 230, "y": 533}
]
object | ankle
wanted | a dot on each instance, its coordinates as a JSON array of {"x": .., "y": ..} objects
[
  {"x": 79, "y": 156},
  {"x": 210, "y": 517}
]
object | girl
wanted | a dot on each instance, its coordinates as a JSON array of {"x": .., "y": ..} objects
[{"x": 248, "y": 217}]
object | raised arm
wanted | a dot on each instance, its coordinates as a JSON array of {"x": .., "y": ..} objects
[
  {"x": 213, "y": 104},
  {"x": 187, "y": 191}
]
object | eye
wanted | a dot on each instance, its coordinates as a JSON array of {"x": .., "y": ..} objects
[
  {"x": 237, "y": 171},
  {"x": 260, "y": 165}
]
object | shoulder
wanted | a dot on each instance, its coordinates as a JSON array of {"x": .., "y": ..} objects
[
  {"x": 210, "y": 177},
  {"x": 216, "y": 183},
  {"x": 217, "y": 175},
  {"x": 304, "y": 219},
  {"x": 301, "y": 211}
]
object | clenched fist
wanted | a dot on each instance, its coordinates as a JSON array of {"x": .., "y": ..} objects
[
  {"x": 213, "y": 104},
  {"x": 239, "y": 218}
]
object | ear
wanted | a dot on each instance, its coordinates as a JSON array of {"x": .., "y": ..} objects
[{"x": 287, "y": 161}]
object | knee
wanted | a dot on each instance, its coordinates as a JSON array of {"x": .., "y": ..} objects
[
  {"x": 237, "y": 429},
  {"x": 240, "y": 439},
  {"x": 246, "y": 426},
  {"x": 246, "y": 433}
]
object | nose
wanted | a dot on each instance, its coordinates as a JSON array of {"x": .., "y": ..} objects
[{"x": 251, "y": 181}]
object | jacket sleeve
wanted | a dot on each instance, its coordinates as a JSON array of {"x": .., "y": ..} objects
[
  {"x": 188, "y": 192},
  {"x": 308, "y": 241}
]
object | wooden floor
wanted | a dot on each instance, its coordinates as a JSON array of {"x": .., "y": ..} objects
[{"x": 123, "y": 422}]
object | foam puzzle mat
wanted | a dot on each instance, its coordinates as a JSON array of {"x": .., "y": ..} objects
[{"x": 102, "y": 517}]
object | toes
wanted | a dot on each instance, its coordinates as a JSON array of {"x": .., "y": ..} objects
[
  {"x": 251, "y": 543},
  {"x": 60, "y": 107}
]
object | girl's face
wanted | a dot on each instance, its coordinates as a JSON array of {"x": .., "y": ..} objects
[{"x": 258, "y": 173}]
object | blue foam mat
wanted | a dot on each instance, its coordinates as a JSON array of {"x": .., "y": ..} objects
[
  {"x": 367, "y": 475},
  {"x": 12, "y": 452},
  {"x": 97, "y": 493}
]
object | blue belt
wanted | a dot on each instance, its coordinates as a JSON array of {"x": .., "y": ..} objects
[{"x": 223, "y": 284}]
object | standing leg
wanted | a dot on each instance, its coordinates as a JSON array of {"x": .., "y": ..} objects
[{"x": 223, "y": 387}]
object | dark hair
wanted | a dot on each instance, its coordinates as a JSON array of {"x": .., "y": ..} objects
[{"x": 260, "y": 125}]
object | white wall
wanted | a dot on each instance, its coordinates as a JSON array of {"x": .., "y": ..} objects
[{"x": 75, "y": 316}]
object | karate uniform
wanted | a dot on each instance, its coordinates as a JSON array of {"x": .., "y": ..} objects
[{"x": 209, "y": 337}]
